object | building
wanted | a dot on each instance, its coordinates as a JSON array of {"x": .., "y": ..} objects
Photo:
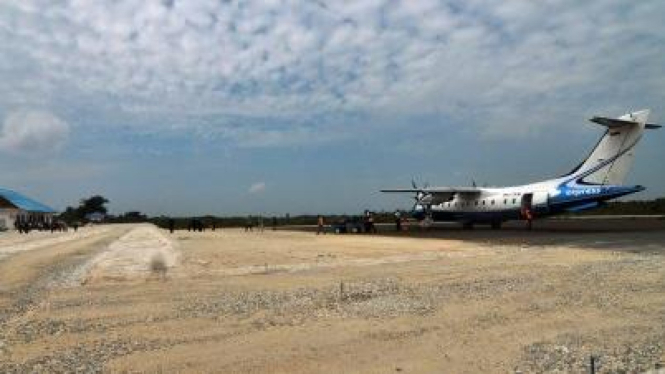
[
  {"x": 16, "y": 207},
  {"x": 95, "y": 217}
]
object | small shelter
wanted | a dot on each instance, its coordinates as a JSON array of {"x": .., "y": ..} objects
[
  {"x": 95, "y": 217},
  {"x": 17, "y": 208}
]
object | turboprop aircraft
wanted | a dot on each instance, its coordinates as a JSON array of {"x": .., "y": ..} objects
[{"x": 597, "y": 179}]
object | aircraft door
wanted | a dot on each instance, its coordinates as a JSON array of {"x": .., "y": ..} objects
[
  {"x": 526, "y": 206},
  {"x": 534, "y": 204}
]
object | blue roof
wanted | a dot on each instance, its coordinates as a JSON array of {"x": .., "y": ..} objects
[{"x": 24, "y": 202}]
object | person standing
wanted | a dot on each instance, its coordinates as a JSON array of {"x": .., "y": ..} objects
[
  {"x": 398, "y": 221},
  {"x": 319, "y": 225},
  {"x": 529, "y": 218},
  {"x": 171, "y": 225},
  {"x": 370, "y": 219}
]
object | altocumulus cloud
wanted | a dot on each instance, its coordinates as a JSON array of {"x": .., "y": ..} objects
[
  {"x": 33, "y": 132},
  {"x": 240, "y": 70}
]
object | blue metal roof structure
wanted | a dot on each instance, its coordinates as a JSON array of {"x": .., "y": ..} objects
[{"x": 24, "y": 202}]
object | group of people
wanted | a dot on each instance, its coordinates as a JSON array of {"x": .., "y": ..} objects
[
  {"x": 24, "y": 226},
  {"x": 196, "y": 225}
]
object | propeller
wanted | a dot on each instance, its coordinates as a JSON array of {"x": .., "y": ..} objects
[{"x": 422, "y": 198}]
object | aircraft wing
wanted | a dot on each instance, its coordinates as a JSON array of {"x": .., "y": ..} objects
[{"x": 469, "y": 191}]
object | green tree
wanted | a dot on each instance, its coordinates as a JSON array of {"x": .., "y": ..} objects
[
  {"x": 86, "y": 206},
  {"x": 93, "y": 204}
]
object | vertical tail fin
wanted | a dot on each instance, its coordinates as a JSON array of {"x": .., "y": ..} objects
[{"x": 612, "y": 158}]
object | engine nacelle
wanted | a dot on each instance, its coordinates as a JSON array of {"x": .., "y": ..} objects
[{"x": 432, "y": 200}]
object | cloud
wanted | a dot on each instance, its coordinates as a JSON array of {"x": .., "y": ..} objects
[
  {"x": 175, "y": 65},
  {"x": 257, "y": 188},
  {"x": 33, "y": 132}
]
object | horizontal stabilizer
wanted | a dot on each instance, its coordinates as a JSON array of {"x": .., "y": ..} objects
[{"x": 615, "y": 122}]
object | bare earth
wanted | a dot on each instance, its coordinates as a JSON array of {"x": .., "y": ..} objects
[{"x": 294, "y": 302}]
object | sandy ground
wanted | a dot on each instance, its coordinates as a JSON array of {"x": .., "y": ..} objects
[
  {"x": 13, "y": 242},
  {"x": 132, "y": 256},
  {"x": 294, "y": 302}
]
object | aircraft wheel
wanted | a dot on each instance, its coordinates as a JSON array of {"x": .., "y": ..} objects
[
  {"x": 467, "y": 225},
  {"x": 496, "y": 225}
]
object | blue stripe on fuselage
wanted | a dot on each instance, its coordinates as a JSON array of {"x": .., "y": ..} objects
[{"x": 568, "y": 194}]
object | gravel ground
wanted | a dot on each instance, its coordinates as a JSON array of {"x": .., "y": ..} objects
[
  {"x": 84, "y": 358},
  {"x": 571, "y": 353},
  {"x": 544, "y": 309},
  {"x": 34, "y": 295}
]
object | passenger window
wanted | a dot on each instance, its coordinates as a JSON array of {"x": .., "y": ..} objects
[
  {"x": 514, "y": 201},
  {"x": 492, "y": 202},
  {"x": 476, "y": 202},
  {"x": 483, "y": 202}
]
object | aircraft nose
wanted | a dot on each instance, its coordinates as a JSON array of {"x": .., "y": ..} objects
[{"x": 418, "y": 213}]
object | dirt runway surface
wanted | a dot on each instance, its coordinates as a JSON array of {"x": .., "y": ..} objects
[{"x": 445, "y": 301}]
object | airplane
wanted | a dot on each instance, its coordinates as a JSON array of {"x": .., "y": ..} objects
[{"x": 594, "y": 181}]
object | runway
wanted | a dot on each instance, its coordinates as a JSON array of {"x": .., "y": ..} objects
[{"x": 631, "y": 234}]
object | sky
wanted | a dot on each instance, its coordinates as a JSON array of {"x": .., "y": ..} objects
[{"x": 311, "y": 106}]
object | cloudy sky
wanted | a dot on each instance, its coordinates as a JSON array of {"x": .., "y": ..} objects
[{"x": 222, "y": 106}]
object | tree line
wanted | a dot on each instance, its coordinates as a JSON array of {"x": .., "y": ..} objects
[{"x": 97, "y": 204}]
